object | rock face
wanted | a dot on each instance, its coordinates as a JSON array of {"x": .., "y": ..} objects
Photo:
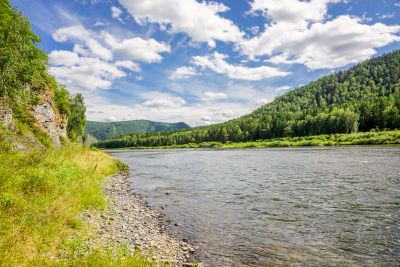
[
  {"x": 46, "y": 119},
  {"x": 50, "y": 123}
]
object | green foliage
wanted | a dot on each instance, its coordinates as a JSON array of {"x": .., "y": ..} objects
[
  {"x": 42, "y": 192},
  {"x": 24, "y": 80},
  {"x": 107, "y": 130},
  {"x": 61, "y": 99},
  {"x": 361, "y": 138},
  {"x": 123, "y": 168},
  {"x": 22, "y": 63},
  {"x": 362, "y": 98},
  {"x": 77, "y": 119},
  {"x": 113, "y": 257}
]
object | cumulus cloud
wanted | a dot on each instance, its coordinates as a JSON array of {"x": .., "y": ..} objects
[
  {"x": 336, "y": 43},
  {"x": 210, "y": 96},
  {"x": 86, "y": 43},
  {"x": 84, "y": 73},
  {"x": 97, "y": 59},
  {"x": 201, "y": 21},
  {"x": 129, "y": 65},
  {"x": 292, "y": 11},
  {"x": 300, "y": 32},
  {"x": 217, "y": 63},
  {"x": 183, "y": 73},
  {"x": 148, "y": 51}
]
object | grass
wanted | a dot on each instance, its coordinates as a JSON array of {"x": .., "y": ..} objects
[
  {"x": 360, "y": 138},
  {"x": 42, "y": 192}
]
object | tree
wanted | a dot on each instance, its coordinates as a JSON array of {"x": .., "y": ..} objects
[
  {"x": 22, "y": 63},
  {"x": 77, "y": 119}
]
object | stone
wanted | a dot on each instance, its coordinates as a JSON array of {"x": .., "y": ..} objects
[
  {"x": 50, "y": 123},
  {"x": 136, "y": 225}
]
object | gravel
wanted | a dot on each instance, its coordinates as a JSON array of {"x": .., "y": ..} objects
[{"x": 129, "y": 220}]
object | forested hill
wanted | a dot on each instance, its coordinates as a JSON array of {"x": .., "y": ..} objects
[
  {"x": 107, "y": 130},
  {"x": 365, "y": 97}
]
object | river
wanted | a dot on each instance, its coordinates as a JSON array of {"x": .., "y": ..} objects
[{"x": 266, "y": 207}]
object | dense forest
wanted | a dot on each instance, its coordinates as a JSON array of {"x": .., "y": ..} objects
[
  {"x": 24, "y": 80},
  {"x": 365, "y": 97},
  {"x": 107, "y": 130}
]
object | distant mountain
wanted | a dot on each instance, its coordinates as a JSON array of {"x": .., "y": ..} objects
[{"x": 107, "y": 130}]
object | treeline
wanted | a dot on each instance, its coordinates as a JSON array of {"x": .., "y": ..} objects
[
  {"x": 362, "y": 98},
  {"x": 24, "y": 78}
]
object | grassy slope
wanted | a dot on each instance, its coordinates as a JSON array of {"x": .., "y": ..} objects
[
  {"x": 360, "y": 138},
  {"x": 42, "y": 191},
  {"x": 107, "y": 130}
]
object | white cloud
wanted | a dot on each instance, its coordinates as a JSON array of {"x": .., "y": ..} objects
[
  {"x": 217, "y": 63},
  {"x": 292, "y": 11},
  {"x": 232, "y": 100},
  {"x": 82, "y": 73},
  {"x": 337, "y": 43},
  {"x": 193, "y": 114},
  {"x": 164, "y": 102},
  {"x": 86, "y": 43},
  {"x": 107, "y": 46},
  {"x": 129, "y": 65},
  {"x": 183, "y": 73},
  {"x": 201, "y": 21},
  {"x": 299, "y": 32},
  {"x": 397, "y": 4},
  {"x": 116, "y": 12},
  {"x": 99, "y": 59},
  {"x": 210, "y": 96},
  {"x": 148, "y": 51}
]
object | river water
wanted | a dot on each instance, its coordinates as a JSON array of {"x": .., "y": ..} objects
[{"x": 271, "y": 207}]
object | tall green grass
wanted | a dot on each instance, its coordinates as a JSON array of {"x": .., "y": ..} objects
[{"x": 42, "y": 192}]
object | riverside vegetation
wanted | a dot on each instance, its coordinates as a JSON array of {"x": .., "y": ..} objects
[
  {"x": 363, "y": 98},
  {"x": 360, "y": 138},
  {"x": 48, "y": 179},
  {"x": 42, "y": 192}
]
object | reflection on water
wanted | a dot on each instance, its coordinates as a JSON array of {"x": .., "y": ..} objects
[{"x": 262, "y": 207}]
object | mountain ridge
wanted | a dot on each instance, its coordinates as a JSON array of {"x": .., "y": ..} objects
[{"x": 106, "y": 130}]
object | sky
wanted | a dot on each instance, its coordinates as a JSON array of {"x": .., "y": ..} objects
[{"x": 203, "y": 62}]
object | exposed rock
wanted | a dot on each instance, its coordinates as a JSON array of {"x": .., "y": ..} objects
[
  {"x": 49, "y": 122},
  {"x": 45, "y": 117}
]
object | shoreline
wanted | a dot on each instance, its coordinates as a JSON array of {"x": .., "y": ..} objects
[
  {"x": 372, "y": 138},
  {"x": 128, "y": 220}
]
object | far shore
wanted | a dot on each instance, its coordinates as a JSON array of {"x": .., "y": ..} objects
[{"x": 351, "y": 139}]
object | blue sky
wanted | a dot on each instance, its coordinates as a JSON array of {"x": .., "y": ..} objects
[{"x": 203, "y": 62}]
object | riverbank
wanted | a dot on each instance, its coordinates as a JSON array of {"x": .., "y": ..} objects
[
  {"x": 360, "y": 138},
  {"x": 130, "y": 222},
  {"x": 45, "y": 194}
]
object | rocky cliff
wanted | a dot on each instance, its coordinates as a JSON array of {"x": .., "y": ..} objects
[{"x": 46, "y": 119}]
